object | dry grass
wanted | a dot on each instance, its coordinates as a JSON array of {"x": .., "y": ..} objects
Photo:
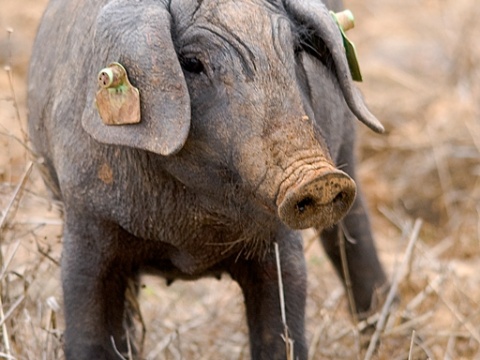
[{"x": 421, "y": 65}]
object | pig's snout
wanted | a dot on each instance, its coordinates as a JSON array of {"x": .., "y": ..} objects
[{"x": 319, "y": 199}]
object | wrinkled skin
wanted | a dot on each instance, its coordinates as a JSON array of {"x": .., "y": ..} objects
[{"x": 241, "y": 109}]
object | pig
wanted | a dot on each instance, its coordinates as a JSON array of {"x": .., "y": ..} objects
[{"x": 243, "y": 135}]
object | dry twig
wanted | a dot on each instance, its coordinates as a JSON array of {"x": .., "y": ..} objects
[
  {"x": 393, "y": 290},
  {"x": 16, "y": 195},
  {"x": 288, "y": 342}
]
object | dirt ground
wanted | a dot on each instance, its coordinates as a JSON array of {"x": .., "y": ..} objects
[{"x": 421, "y": 67}]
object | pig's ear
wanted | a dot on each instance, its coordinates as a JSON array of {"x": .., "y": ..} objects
[
  {"x": 137, "y": 35},
  {"x": 326, "y": 38}
]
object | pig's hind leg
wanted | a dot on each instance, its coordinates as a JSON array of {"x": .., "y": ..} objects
[{"x": 364, "y": 269}]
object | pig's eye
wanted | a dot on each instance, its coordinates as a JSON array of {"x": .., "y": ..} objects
[{"x": 192, "y": 64}]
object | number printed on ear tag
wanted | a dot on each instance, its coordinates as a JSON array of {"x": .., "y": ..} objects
[
  {"x": 117, "y": 101},
  {"x": 345, "y": 21}
]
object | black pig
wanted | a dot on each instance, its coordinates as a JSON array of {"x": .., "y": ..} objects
[{"x": 246, "y": 110}]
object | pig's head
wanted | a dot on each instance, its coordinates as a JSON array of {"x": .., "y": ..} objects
[{"x": 225, "y": 99}]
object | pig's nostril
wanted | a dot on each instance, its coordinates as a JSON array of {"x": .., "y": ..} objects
[
  {"x": 339, "y": 198},
  {"x": 342, "y": 201},
  {"x": 304, "y": 204}
]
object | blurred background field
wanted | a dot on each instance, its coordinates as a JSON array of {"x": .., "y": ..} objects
[{"x": 421, "y": 69}]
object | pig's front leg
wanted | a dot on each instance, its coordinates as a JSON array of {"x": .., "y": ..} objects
[
  {"x": 259, "y": 282},
  {"x": 94, "y": 284}
]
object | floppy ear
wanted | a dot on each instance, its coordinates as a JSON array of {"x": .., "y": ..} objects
[
  {"x": 315, "y": 15},
  {"x": 137, "y": 35}
]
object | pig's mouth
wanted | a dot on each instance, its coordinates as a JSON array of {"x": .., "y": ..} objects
[{"x": 318, "y": 196}]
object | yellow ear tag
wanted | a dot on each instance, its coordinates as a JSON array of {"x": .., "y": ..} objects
[
  {"x": 345, "y": 21},
  {"x": 117, "y": 101}
]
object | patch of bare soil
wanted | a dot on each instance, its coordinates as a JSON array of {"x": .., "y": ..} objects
[{"x": 421, "y": 65}]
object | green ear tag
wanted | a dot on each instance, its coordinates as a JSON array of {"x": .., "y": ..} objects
[
  {"x": 345, "y": 21},
  {"x": 117, "y": 101}
]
